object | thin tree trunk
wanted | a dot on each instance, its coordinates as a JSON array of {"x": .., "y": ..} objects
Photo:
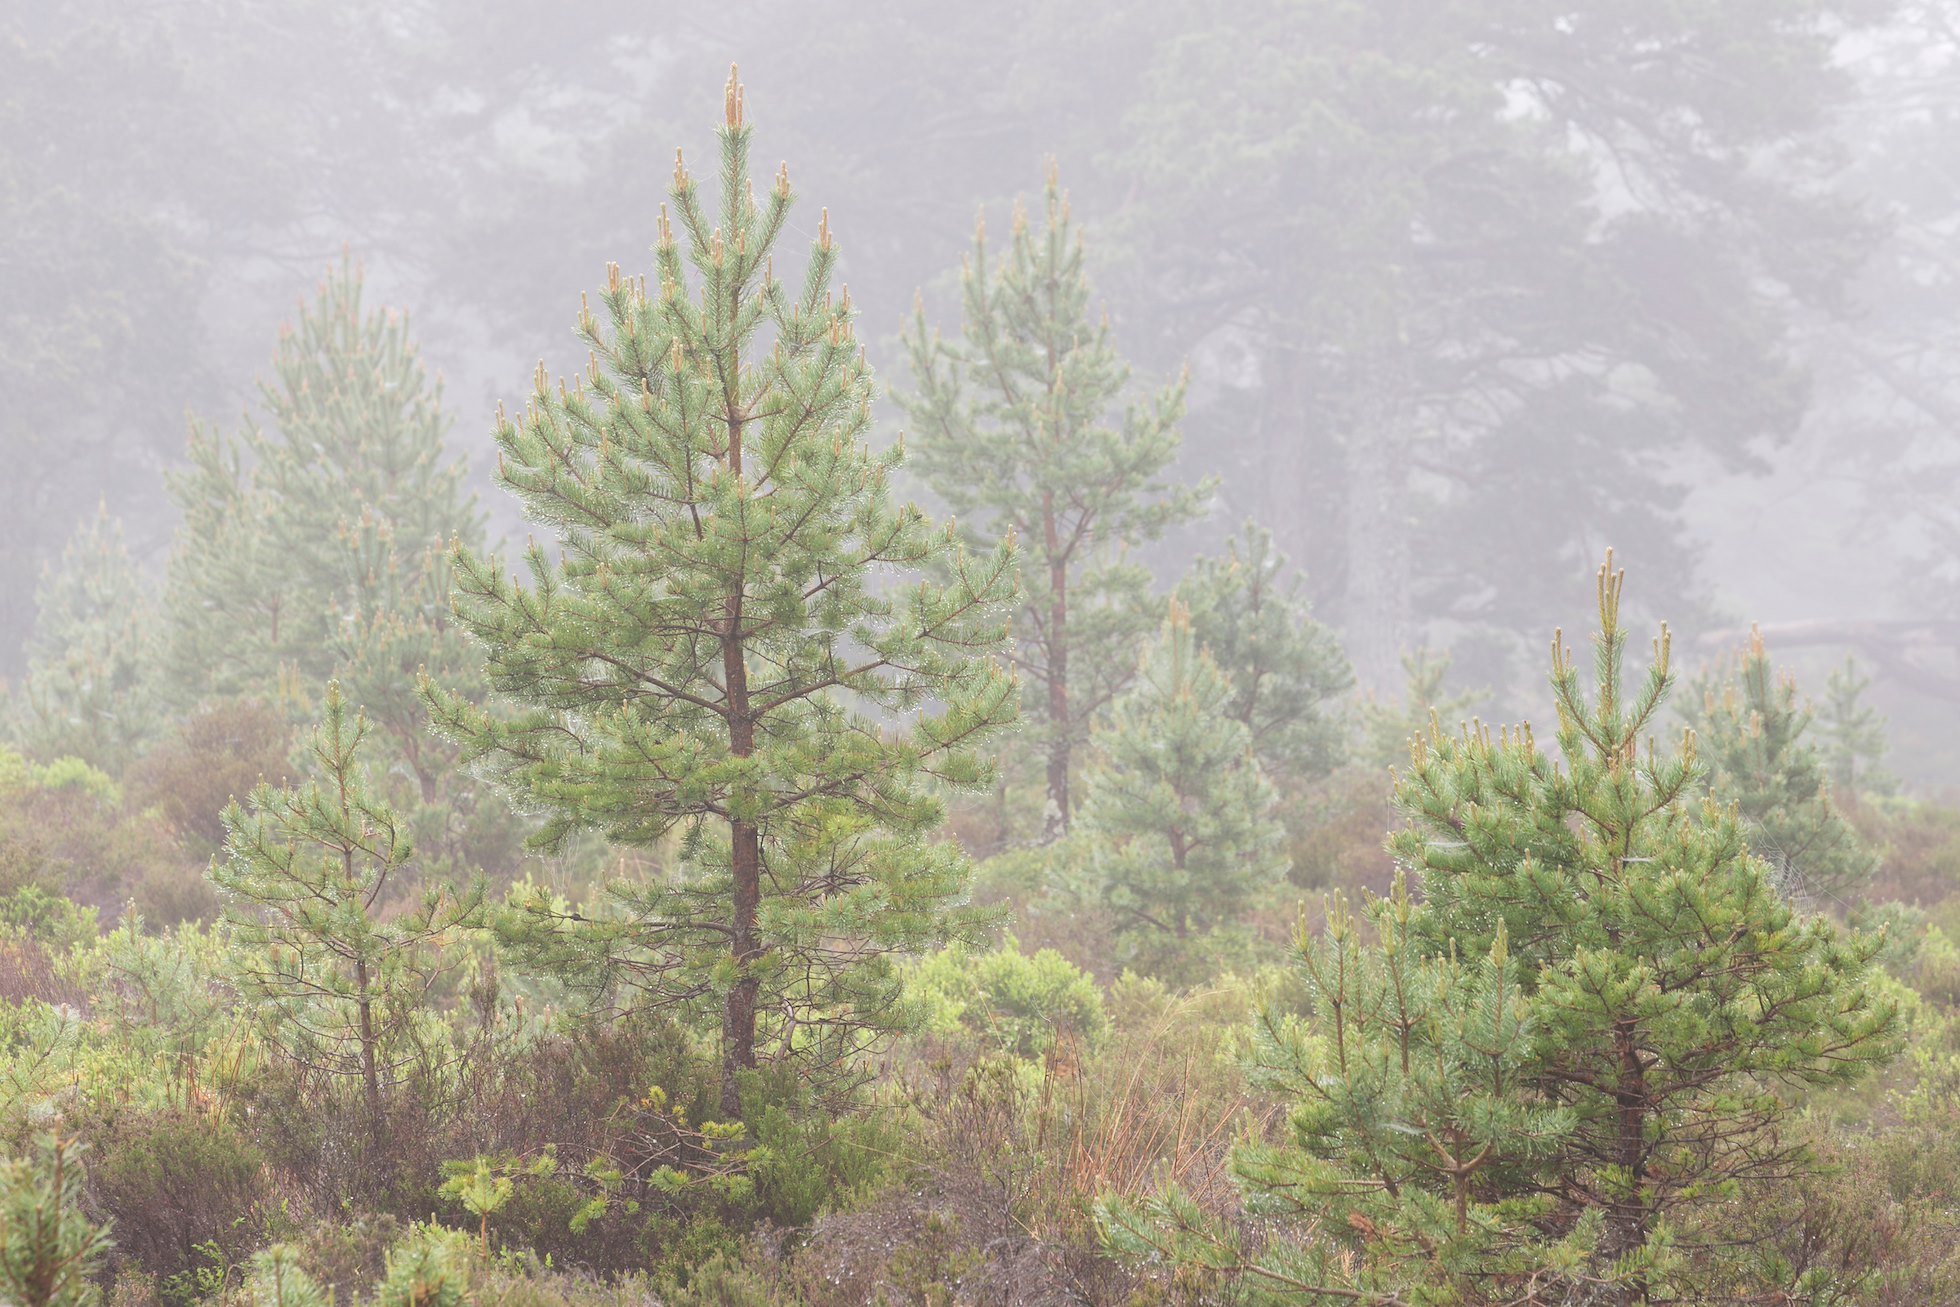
[
  {"x": 1293, "y": 479},
  {"x": 1055, "y": 820},
  {"x": 1179, "y": 852},
  {"x": 745, "y": 850},
  {"x": 1629, "y": 1217},
  {"x": 370, "y": 1069},
  {"x": 738, "y": 1014}
]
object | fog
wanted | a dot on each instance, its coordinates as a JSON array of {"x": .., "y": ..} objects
[{"x": 1468, "y": 292}]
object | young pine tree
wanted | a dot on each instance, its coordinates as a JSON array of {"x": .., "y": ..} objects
[
  {"x": 292, "y": 536},
  {"x": 1751, "y": 726},
  {"x": 1387, "y": 728},
  {"x": 49, "y": 1249},
  {"x": 1412, "y": 1138},
  {"x": 333, "y": 947},
  {"x": 317, "y": 548},
  {"x": 1177, "y": 830},
  {"x": 1285, "y": 668},
  {"x": 277, "y": 1277},
  {"x": 1685, "y": 1000},
  {"x": 91, "y": 685},
  {"x": 1672, "y": 1006},
  {"x": 1854, "y": 735},
  {"x": 734, "y": 642},
  {"x": 1019, "y": 437}
]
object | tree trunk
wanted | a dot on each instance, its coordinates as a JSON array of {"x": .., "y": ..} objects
[
  {"x": 1179, "y": 851},
  {"x": 1630, "y": 1216},
  {"x": 1291, "y": 497},
  {"x": 1055, "y": 820},
  {"x": 738, "y": 1013},
  {"x": 1377, "y": 602},
  {"x": 370, "y": 1069},
  {"x": 745, "y": 849}
]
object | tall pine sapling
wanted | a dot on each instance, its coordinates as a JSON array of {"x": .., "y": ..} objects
[
  {"x": 1177, "y": 830},
  {"x": 334, "y": 946},
  {"x": 91, "y": 686},
  {"x": 290, "y": 533},
  {"x": 316, "y": 547},
  {"x": 1018, "y": 435},
  {"x": 1854, "y": 735},
  {"x": 1285, "y": 668},
  {"x": 734, "y": 642},
  {"x": 1752, "y": 726},
  {"x": 1673, "y": 1006}
]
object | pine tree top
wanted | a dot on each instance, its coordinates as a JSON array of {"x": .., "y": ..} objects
[
  {"x": 1030, "y": 411},
  {"x": 708, "y": 485}
]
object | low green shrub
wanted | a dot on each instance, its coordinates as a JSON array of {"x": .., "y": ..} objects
[{"x": 1014, "y": 1002}]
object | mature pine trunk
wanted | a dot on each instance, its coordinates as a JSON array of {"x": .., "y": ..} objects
[
  {"x": 1377, "y": 604},
  {"x": 1293, "y": 477}
]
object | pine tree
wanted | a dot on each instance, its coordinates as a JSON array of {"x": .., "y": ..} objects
[
  {"x": 1685, "y": 1000},
  {"x": 277, "y": 1277},
  {"x": 294, "y": 537},
  {"x": 1285, "y": 668},
  {"x": 91, "y": 685},
  {"x": 1672, "y": 1006},
  {"x": 49, "y": 1249},
  {"x": 334, "y": 947},
  {"x": 1018, "y": 438},
  {"x": 1412, "y": 1140},
  {"x": 713, "y": 651},
  {"x": 1854, "y": 734},
  {"x": 1387, "y": 728},
  {"x": 317, "y": 548},
  {"x": 1751, "y": 725},
  {"x": 1177, "y": 832}
]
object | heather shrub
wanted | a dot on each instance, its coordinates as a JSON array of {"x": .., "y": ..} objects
[
  {"x": 185, "y": 1190},
  {"x": 217, "y": 754}
]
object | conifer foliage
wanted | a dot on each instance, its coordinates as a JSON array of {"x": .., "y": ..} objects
[
  {"x": 317, "y": 547},
  {"x": 1752, "y": 723},
  {"x": 1854, "y": 734},
  {"x": 91, "y": 689},
  {"x": 1412, "y": 1130},
  {"x": 334, "y": 945},
  {"x": 1286, "y": 669},
  {"x": 1019, "y": 435},
  {"x": 1177, "y": 822},
  {"x": 307, "y": 545},
  {"x": 717, "y": 647},
  {"x": 1665, "y": 1003},
  {"x": 49, "y": 1249}
]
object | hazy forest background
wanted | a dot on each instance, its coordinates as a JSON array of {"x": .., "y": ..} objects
[
  {"x": 371, "y": 927},
  {"x": 1689, "y": 302}
]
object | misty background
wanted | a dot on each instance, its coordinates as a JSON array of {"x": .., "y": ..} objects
[{"x": 1468, "y": 291}]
